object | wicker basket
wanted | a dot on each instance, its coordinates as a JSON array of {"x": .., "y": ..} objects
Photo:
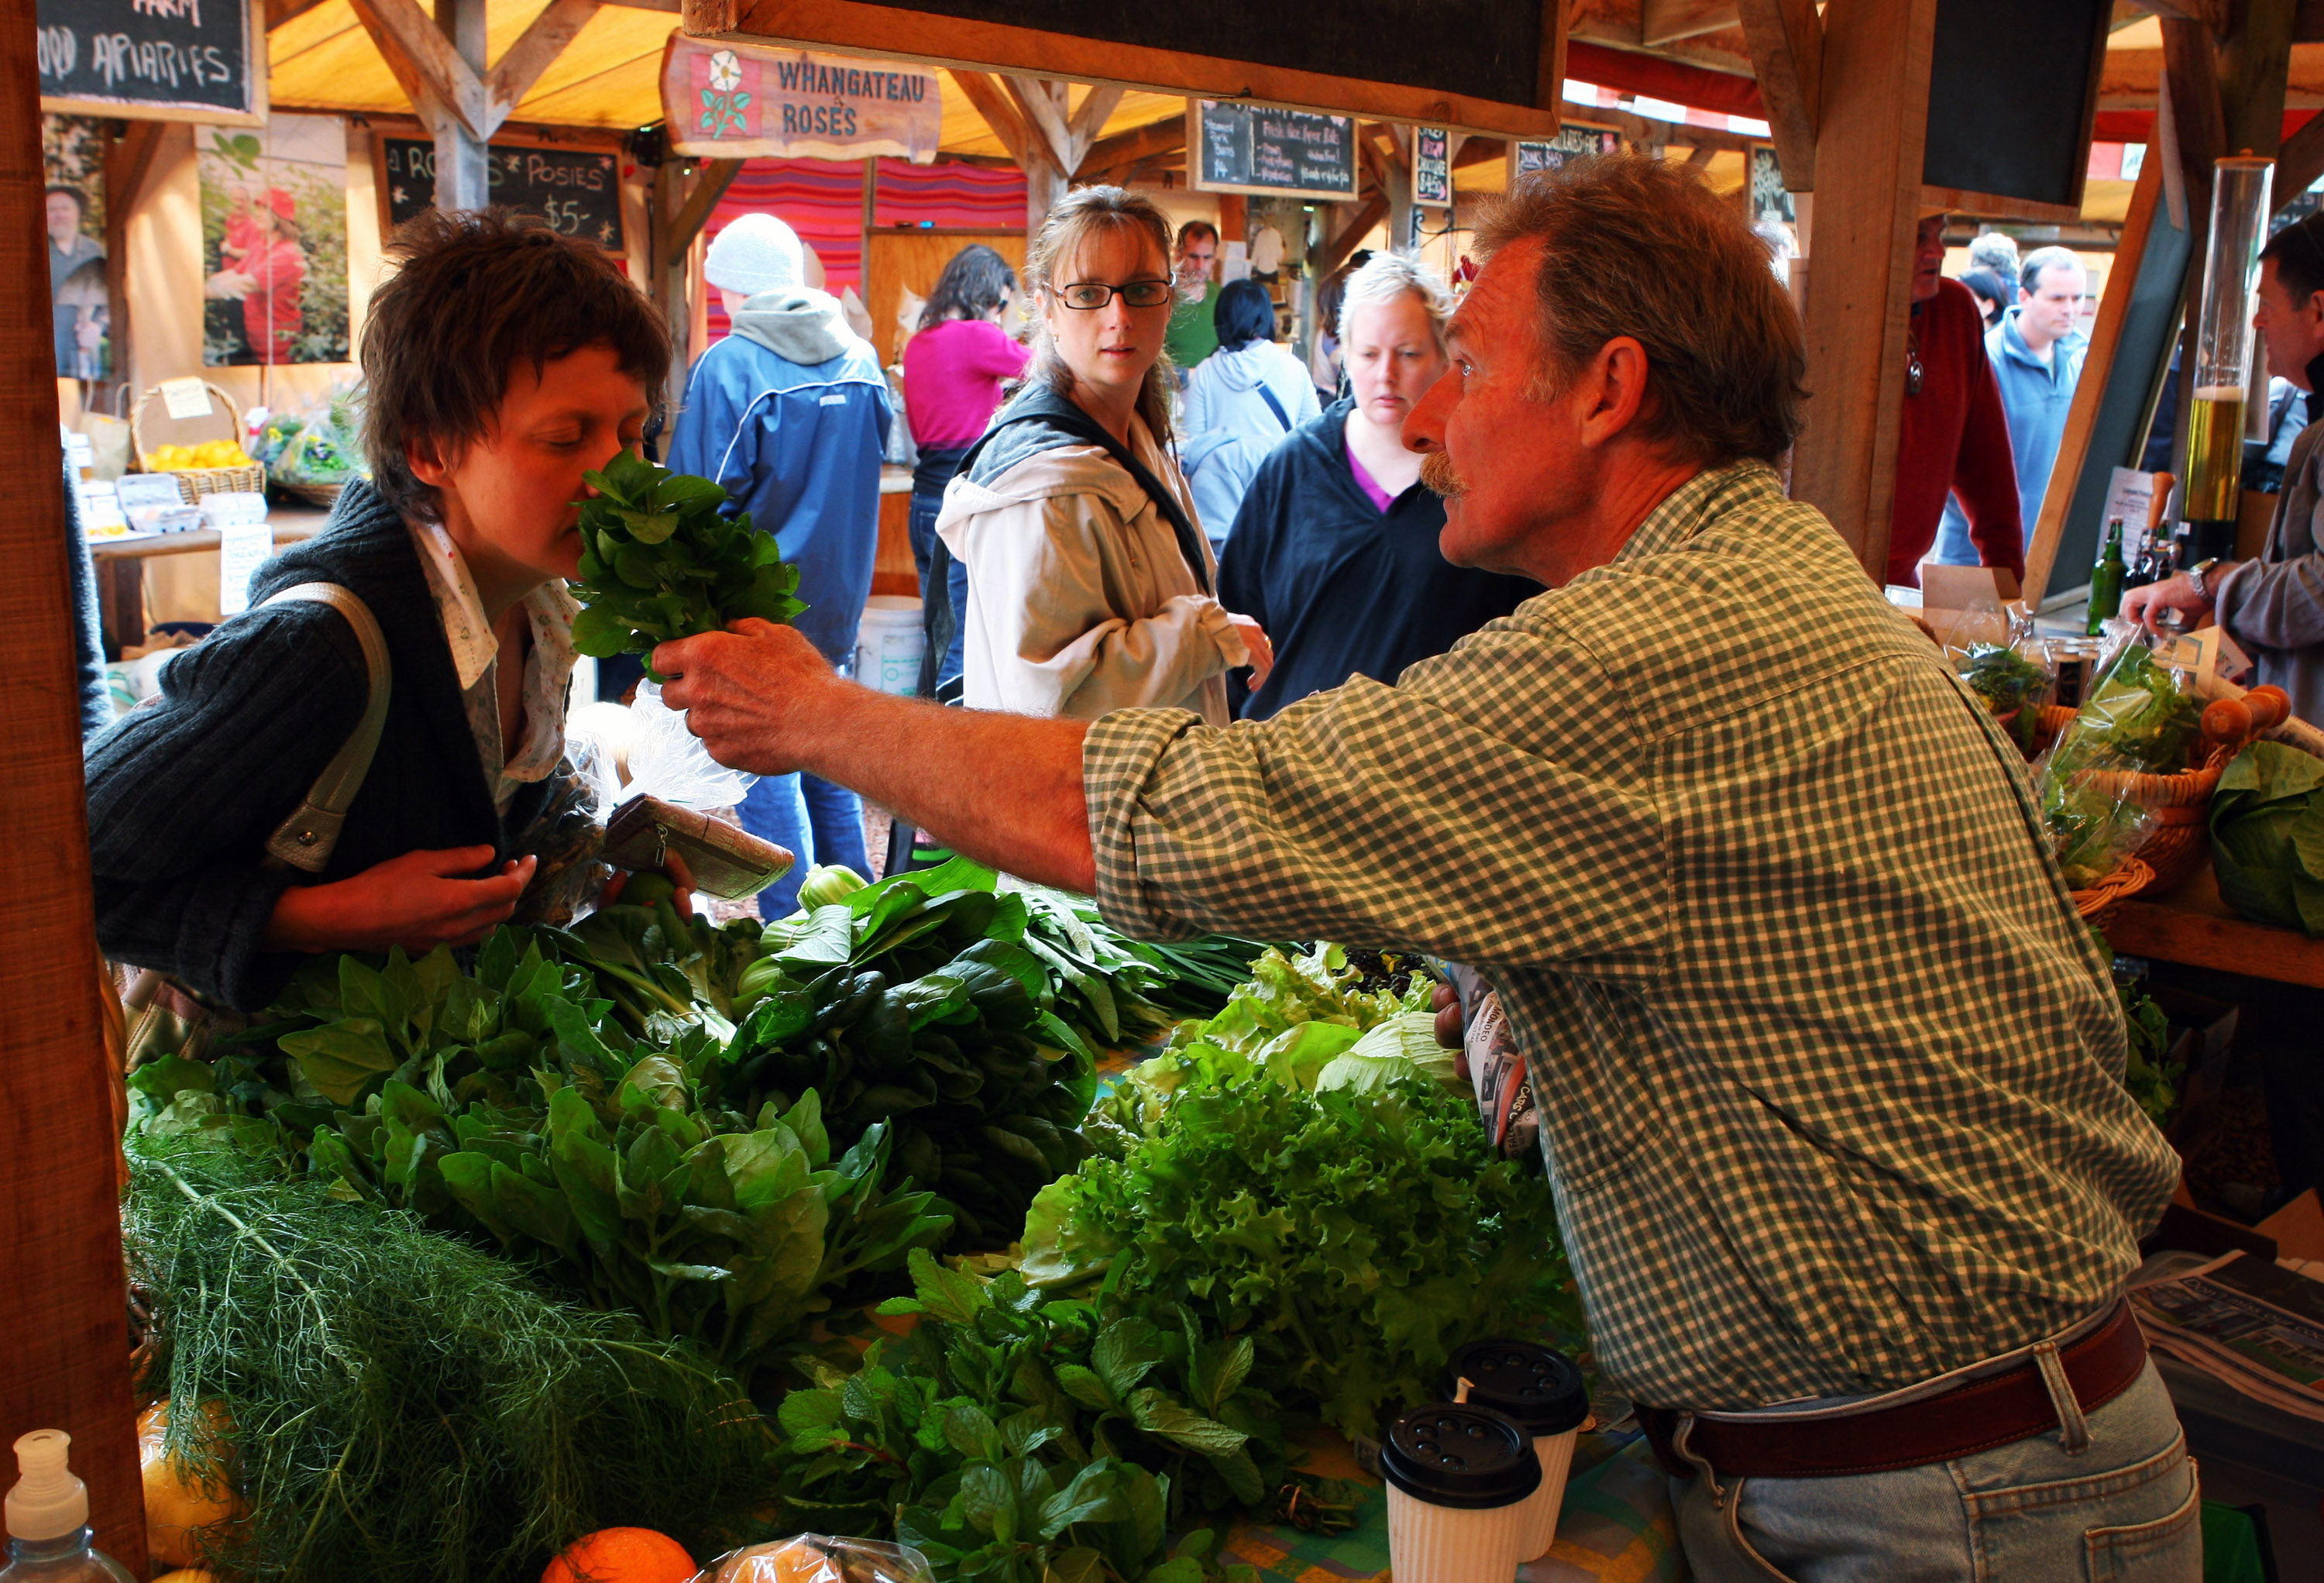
[
  {"x": 193, "y": 483},
  {"x": 2173, "y": 846},
  {"x": 321, "y": 495},
  {"x": 2097, "y": 905}
]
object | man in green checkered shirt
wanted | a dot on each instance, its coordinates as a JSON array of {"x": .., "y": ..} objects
[{"x": 1829, "y": 1072}]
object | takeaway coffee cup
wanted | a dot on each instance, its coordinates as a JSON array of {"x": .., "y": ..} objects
[
  {"x": 1459, "y": 1479},
  {"x": 1544, "y": 1394}
]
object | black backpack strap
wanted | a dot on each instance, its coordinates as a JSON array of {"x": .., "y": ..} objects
[
  {"x": 1062, "y": 414},
  {"x": 1275, "y": 407}
]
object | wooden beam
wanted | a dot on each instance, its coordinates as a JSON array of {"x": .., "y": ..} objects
[
  {"x": 128, "y": 161},
  {"x": 1097, "y": 108},
  {"x": 897, "y": 33},
  {"x": 710, "y": 185},
  {"x": 425, "y": 62},
  {"x": 1036, "y": 99},
  {"x": 1787, "y": 38},
  {"x": 534, "y": 52},
  {"x": 2130, "y": 78},
  {"x": 64, "y": 1303},
  {"x": 1128, "y": 148},
  {"x": 2301, "y": 162},
  {"x": 2048, "y": 529},
  {"x": 1873, "y": 123},
  {"x": 2211, "y": 14},
  {"x": 1663, "y": 21},
  {"x": 993, "y": 102},
  {"x": 1549, "y": 68},
  {"x": 1363, "y": 217},
  {"x": 2254, "y": 69}
]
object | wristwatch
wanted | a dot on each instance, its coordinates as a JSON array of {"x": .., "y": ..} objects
[{"x": 2197, "y": 578}]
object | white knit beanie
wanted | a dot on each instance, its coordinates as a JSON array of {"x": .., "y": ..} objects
[{"x": 758, "y": 252}]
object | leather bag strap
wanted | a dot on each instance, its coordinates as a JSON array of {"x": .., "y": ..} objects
[{"x": 306, "y": 839}]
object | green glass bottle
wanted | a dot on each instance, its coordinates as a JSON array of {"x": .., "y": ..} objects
[{"x": 2106, "y": 581}]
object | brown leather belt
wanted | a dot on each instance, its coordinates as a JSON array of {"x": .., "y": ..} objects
[{"x": 1976, "y": 1415}]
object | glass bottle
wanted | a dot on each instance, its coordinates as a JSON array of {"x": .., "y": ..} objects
[{"x": 2106, "y": 582}]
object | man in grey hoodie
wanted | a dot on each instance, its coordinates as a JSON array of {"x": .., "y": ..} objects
[{"x": 790, "y": 412}]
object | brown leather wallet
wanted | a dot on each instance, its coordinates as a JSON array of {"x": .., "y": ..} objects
[{"x": 1976, "y": 1415}]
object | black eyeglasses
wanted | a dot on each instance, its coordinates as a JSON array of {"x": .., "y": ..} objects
[{"x": 1092, "y": 295}]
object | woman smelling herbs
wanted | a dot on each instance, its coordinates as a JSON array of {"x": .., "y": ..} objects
[
  {"x": 1089, "y": 579},
  {"x": 503, "y": 363}
]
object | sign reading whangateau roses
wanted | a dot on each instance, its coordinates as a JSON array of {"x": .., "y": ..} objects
[{"x": 734, "y": 102}]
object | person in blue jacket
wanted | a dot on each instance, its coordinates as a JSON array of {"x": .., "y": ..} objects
[{"x": 790, "y": 412}]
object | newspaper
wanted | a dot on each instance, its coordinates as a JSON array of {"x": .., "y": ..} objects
[{"x": 2247, "y": 1323}]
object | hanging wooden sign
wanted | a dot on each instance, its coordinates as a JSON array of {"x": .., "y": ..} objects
[
  {"x": 734, "y": 102},
  {"x": 578, "y": 190},
  {"x": 153, "y": 59}
]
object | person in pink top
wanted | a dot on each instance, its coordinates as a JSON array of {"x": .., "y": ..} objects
[
  {"x": 264, "y": 268},
  {"x": 955, "y": 368}
]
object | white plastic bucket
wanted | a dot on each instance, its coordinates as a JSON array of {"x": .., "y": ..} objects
[{"x": 889, "y": 644}]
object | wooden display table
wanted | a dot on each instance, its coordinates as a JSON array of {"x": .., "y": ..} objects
[
  {"x": 2192, "y": 926},
  {"x": 121, "y": 568}
]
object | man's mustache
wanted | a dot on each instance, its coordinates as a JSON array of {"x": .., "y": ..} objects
[{"x": 1436, "y": 471}]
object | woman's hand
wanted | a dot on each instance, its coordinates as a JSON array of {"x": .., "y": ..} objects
[
  {"x": 681, "y": 880},
  {"x": 416, "y": 900},
  {"x": 1262, "y": 652}
]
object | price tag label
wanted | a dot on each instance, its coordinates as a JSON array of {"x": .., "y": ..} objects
[
  {"x": 186, "y": 398},
  {"x": 243, "y": 548}
]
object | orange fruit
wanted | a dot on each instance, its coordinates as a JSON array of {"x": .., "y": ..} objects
[{"x": 622, "y": 1555}]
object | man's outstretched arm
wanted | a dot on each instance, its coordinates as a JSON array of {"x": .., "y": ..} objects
[{"x": 1005, "y": 790}]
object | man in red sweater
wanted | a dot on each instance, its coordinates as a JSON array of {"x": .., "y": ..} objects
[{"x": 1954, "y": 436}]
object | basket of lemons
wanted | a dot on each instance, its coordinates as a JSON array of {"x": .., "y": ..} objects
[{"x": 212, "y": 467}]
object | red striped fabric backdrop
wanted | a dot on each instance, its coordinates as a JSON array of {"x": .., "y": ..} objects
[{"x": 945, "y": 196}]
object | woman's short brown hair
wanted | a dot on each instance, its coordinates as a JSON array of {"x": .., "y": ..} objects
[
  {"x": 475, "y": 293},
  {"x": 1636, "y": 247}
]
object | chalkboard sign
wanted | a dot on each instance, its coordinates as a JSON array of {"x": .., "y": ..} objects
[
  {"x": 153, "y": 59},
  {"x": 1290, "y": 153},
  {"x": 578, "y": 192},
  {"x": 2013, "y": 122},
  {"x": 1574, "y": 141},
  {"x": 1432, "y": 166}
]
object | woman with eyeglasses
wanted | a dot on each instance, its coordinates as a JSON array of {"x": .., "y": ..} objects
[{"x": 1091, "y": 587}]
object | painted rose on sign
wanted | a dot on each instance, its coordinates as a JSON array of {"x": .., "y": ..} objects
[{"x": 725, "y": 101}]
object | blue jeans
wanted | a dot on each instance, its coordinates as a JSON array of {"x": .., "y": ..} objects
[
  {"x": 2123, "y": 1507},
  {"x": 818, "y": 820},
  {"x": 929, "y": 480}
]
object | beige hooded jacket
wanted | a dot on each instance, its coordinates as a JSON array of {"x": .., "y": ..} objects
[{"x": 1079, "y": 600}]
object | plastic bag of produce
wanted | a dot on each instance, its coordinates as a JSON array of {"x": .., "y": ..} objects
[
  {"x": 815, "y": 1558},
  {"x": 2267, "y": 836},
  {"x": 327, "y": 445},
  {"x": 2013, "y": 682},
  {"x": 2138, "y": 719}
]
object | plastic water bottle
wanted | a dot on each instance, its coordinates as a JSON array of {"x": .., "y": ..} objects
[{"x": 49, "y": 1536}]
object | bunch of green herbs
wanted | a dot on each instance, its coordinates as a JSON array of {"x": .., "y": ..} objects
[
  {"x": 1022, "y": 1438},
  {"x": 389, "y": 1403},
  {"x": 660, "y": 559},
  {"x": 1356, "y": 1234},
  {"x": 2013, "y": 686},
  {"x": 510, "y": 1106}
]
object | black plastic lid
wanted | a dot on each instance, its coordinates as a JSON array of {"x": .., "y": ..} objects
[
  {"x": 1535, "y": 1386},
  {"x": 1455, "y": 1455}
]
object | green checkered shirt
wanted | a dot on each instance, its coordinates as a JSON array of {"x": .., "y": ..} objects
[{"x": 1830, "y": 1075}]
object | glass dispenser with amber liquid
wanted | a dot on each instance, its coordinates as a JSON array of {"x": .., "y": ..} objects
[{"x": 2240, "y": 188}]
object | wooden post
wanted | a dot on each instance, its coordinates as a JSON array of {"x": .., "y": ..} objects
[
  {"x": 1874, "y": 122},
  {"x": 63, "y": 1305},
  {"x": 462, "y": 167},
  {"x": 679, "y": 211},
  {"x": 128, "y": 159}
]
